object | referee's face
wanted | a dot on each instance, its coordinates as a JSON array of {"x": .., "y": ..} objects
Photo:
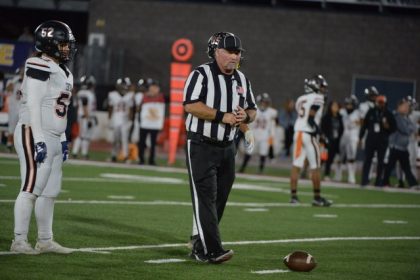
[{"x": 227, "y": 60}]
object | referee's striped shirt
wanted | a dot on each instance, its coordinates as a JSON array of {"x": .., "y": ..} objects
[{"x": 219, "y": 91}]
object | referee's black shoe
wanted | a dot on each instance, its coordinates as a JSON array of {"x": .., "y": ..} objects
[
  {"x": 220, "y": 257},
  {"x": 199, "y": 256}
]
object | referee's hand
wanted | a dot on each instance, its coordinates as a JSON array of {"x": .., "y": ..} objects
[
  {"x": 229, "y": 118},
  {"x": 240, "y": 114}
]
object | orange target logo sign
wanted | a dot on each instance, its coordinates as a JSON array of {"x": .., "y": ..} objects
[{"x": 182, "y": 49}]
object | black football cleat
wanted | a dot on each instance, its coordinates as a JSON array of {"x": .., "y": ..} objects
[
  {"x": 321, "y": 202},
  {"x": 294, "y": 200},
  {"x": 220, "y": 257},
  {"x": 199, "y": 256}
]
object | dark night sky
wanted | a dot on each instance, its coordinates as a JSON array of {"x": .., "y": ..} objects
[{"x": 12, "y": 21}]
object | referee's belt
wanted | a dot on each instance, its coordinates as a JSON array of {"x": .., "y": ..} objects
[{"x": 208, "y": 140}]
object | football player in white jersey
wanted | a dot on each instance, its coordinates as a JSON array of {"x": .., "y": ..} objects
[
  {"x": 138, "y": 99},
  {"x": 40, "y": 135},
  {"x": 120, "y": 113},
  {"x": 263, "y": 129},
  {"x": 350, "y": 138},
  {"x": 370, "y": 93},
  {"x": 306, "y": 146},
  {"x": 86, "y": 100},
  {"x": 414, "y": 116},
  {"x": 13, "y": 99}
]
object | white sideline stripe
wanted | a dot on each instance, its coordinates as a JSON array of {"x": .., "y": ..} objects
[
  {"x": 155, "y": 180},
  {"x": 232, "y": 204},
  {"x": 253, "y": 242},
  {"x": 325, "y": 216},
  {"x": 165, "y": 261},
  {"x": 394, "y": 222},
  {"x": 302, "y": 182},
  {"x": 2, "y": 185},
  {"x": 260, "y": 188},
  {"x": 140, "y": 178},
  {"x": 256, "y": 209},
  {"x": 121, "y": 197},
  {"x": 270, "y": 271}
]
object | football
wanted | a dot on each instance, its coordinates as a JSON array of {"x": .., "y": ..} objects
[{"x": 300, "y": 261}]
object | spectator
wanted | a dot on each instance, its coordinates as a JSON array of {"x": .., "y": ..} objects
[
  {"x": 398, "y": 144},
  {"x": 152, "y": 117},
  {"x": 414, "y": 116},
  {"x": 379, "y": 123},
  {"x": 287, "y": 119},
  {"x": 332, "y": 130},
  {"x": 1, "y": 90},
  {"x": 26, "y": 36}
]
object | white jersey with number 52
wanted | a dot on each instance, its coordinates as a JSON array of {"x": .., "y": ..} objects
[
  {"x": 46, "y": 92},
  {"x": 303, "y": 106}
]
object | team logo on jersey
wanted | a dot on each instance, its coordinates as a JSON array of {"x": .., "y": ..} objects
[
  {"x": 240, "y": 90},
  {"x": 68, "y": 87}
]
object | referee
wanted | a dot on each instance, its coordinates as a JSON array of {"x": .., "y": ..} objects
[{"x": 217, "y": 99}]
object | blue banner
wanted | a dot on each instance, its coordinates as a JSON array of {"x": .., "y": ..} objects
[{"x": 13, "y": 54}]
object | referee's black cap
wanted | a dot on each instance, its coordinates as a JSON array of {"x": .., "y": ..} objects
[
  {"x": 223, "y": 40},
  {"x": 231, "y": 43}
]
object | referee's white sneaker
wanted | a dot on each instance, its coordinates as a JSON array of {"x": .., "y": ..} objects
[
  {"x": 52, "y": 247},
  {"x": 22, "y": 247}
]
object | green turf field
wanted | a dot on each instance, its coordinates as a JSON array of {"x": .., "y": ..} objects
[{"x": 122, "y": 217}]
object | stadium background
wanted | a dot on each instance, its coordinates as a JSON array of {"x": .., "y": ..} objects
[{"x": 285, "y": 41}]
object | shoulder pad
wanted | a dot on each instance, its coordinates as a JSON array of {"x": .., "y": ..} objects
[
  {"x": 38, "y": 74},
  {"x": 40, "y": 64}
]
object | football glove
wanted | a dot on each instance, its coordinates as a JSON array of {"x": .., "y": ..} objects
[
  {"x": 249, "y": 141},
  {"x": 65, "y": 150},
  {"x": 40, "y": 152}
]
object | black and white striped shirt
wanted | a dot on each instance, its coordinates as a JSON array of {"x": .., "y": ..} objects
[{"x": 219, "y": 91}]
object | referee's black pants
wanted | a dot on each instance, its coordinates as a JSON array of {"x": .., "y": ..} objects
[{"x": 211, "y": 169}]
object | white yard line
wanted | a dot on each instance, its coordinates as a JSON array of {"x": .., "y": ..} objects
[
  {"x": 146, "y": 179},
  {"x": 160, "y": 261},
  {"x": 128, "y": 197},
  {"x": 302, "y": 182},
  {"x": 325, "y": 216},
  {"x": 256, "y": 209},
  {"x": 394, "y": 222},
  {"x": 233, "y": 204},
  {"x": 238, "y": 243},
  {"x": 271, "y": 271}
]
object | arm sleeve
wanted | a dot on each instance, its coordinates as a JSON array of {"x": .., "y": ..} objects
[
  {"x": 195, "y": 88},
  {"x": 63, "y": 137},
  {"x": 364, "y": 125},
  {"x": 392, "y": 123},
  {"x": 249, "y": 100},
  {"x": 36, "y": 91}
]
